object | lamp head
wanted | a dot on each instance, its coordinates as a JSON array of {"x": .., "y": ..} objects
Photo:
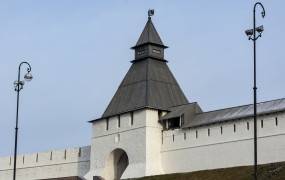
[
  {"x": 260, "y": 29},
  {"x": 28, "y": 77},
  {"x": 249, "y": 32},
  {"x": 263, "y": 14}
]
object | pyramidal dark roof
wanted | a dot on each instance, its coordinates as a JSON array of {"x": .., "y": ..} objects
[
  {"x": 149, "y": 82},
  {"x": 149, "y": 35}
]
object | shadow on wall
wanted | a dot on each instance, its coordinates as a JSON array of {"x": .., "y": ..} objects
[{"x": 117, "y": 163}]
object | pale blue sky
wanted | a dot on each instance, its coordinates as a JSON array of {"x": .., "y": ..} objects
[{"x": 79, "y": 52}]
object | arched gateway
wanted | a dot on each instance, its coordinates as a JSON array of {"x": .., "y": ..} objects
[{"x": 116, "y": 164}]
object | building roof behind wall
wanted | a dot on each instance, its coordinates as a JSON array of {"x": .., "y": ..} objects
[{"x": 233, "y": 113}]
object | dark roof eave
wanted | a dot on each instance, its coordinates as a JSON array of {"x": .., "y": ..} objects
[
  {"x": 155, "y": 44},
  {"x": 144, "y": 58},
  {"x": 124, "y": 112}
]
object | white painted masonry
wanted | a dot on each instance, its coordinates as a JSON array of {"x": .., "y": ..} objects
[
  {"x": 152, "y": 151},
  {"x": 50, "y": 164},
  {"x": 228, "y": 148}
]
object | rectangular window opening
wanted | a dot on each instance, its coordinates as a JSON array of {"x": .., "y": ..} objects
[
  {"x": 107, "y": 124},
  {"x": 208, "y": 132},
  {"x": 276, "y": 121},
  {"x": 79, "y": 152},
  {"x": 132, "y": 118},
  {"x": 50, "y": 158},
  {"x": 64, "y": 154},
  {"x": 185, "y": 136},
  {"x": 196, "y": 134},
  {"x": 173, "y": 137},
  {"x": 174, "y": 123},
  {"x": 221, "y": 129},
  {"x": 247, "y": 125},
  {"x": 261, "y": 123},
  {"x": 235, "y": 128},
  {"x": 119, "y": 121}
]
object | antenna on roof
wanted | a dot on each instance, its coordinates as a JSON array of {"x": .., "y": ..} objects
[{"x": 150, "y": 13}]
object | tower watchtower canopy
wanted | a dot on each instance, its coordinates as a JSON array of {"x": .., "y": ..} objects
[{"x": 149, "y": 82}]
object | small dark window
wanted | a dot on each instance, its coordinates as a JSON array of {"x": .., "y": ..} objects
[
  {"x": 119, "y": 121},
  {"x": 132, "y": 118},
  {"x": 173, "y": 137},
  {"x": 50, "y": 158},
  {"x": 64, "y": 154},
  {"x": 107, "y": 124},
  {"x": 23, "y": 159},
  {"x": 141, "y": 52},
  {"x": 221, "y": 129},
  {"x": 276, "y": 121},
  {"x": 185, "y": 136},
  {"x": 261, "y": 123},
  {"x": 208, "y": 132},
  {"x": 37, "y": 157},
  {"x": 235, "y": 128},
  {"x": 174, "y": 123},
  {"x": 247, "y": 125},
  {"x": 196, "y": 134},
  {"x": 79, "y": 152}
]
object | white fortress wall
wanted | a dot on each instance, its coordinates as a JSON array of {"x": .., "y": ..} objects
[
  {"x": 50, "y": 164},
  {"x": 220, "y": 146}
]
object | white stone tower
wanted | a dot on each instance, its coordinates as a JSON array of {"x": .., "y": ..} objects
[{"x": 126, "y": 140}]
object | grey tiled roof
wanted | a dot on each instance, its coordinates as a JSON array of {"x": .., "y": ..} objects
[
  {"x": 233, "y": 113},
  {"x": 177, "y": 111},
  {"x": 148, "y": 83},
  {"x": 149, "y": 35}
]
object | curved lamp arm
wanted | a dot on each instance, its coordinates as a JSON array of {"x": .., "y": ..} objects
[{"x": 263, "y": 9}]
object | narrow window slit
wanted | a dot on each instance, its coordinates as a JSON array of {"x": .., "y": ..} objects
[
  {"x": 276, "y": 121},
  {"x": 261, "y": 123},
  {"x": 119, "y": 121},
  {"x": 79, "y": 152},
  {"x": 64, "y": 154},
  {"x": 221, "y": 129},
  {"x": 107, "y": 124},
  {"x": 50, "y": 158},
  {"x": 132, "y": 118}
]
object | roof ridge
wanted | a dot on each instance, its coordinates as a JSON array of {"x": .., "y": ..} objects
[{"x": 241, "y": 106}]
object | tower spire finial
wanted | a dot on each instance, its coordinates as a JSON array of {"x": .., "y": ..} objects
[{"x": 150, "y": 13}]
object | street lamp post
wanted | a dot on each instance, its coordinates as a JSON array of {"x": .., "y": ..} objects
[
  {"x": 18, "y": 87},
  {"x": 251, "y": 33}
]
